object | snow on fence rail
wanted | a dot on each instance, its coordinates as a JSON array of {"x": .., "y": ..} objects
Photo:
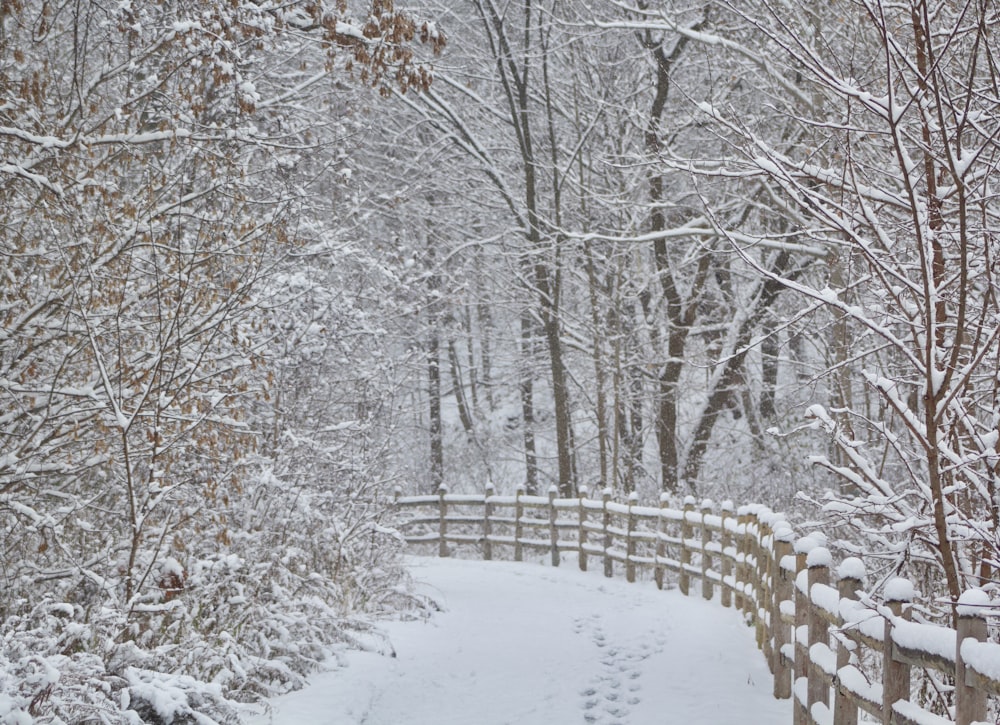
[{"x": 816, "y": 633}]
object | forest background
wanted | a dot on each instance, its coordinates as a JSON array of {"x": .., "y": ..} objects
[{"x": 263, "y": 264}]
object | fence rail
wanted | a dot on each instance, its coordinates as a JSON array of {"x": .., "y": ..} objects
[{"x": 815, "y": 624}]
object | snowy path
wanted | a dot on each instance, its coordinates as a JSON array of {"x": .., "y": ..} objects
[{"x": 526, "y": 644}]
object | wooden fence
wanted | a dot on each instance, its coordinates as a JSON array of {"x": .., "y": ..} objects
[{"x": 827, "y": 642}]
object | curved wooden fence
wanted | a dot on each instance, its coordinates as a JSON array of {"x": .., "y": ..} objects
[{"x": 832, "y": 648}]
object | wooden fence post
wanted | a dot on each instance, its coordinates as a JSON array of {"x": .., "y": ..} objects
[
  {"x": 488, "y": 507},
  {"x": 553, "y": 530},
  {"x": 706, "y": 558},
  {"x": 609, "y": 569},
  {"x": 582, "y": 535},
  {"x": 970, "y": 703},
  {"x": 687, "y": 531},
  {"x": 800, "y": 633},
  {"x": 742, "y": 541},
  {"x": 726, "y": 563},
  {"x": 760, "y": 566},
  {"x": 783, "y": 591},
  {"x": 765, "y": 552},
  {"x": 895, "y": 675},
  {"x": 850, "y": 575},
  {"x": 442, "y": 521},
  {"x": 818, "y": 562},
  {"x": 633, "y": 499},
  {"x": 518, "y": 524},
  {"x": 661, "y": 545}
]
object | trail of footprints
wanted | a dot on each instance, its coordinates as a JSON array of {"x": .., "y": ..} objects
[{"x": 609, "y": 695}]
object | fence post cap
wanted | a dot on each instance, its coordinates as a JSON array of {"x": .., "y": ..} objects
[
  {"x": 606, "y": 493},
  {"x": 521, "y": 488},
  {"x": 690, "y": 501},
  {"x": 633, "y": 497},
  {"x": 899, "y": 589},
  {"x": 490, "y": 489},
  {"x": 852, "y": 568},
  {"x": 765, "y": 515},
  {"x": 442, "y": 489},
  {"x": 707, "y": 504},
  {"x": 727, "y": 506},
  {"x": 583, "y": 492},
  {"x": 553, "y": 490},
  {"x": 973, "y": 603},
  {"x": 819, "y": 556},
  {"x": 664, "y": 498},
  {"x": 397, "y": 491},
  {"x": 805, "y": 544},
  {"x": 783, "y": 532}
]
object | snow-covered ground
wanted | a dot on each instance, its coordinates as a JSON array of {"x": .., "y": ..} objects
[{"x": 527, "y": 644}]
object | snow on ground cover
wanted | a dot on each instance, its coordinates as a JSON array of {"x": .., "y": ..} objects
[{"x": 527, "y": 644}]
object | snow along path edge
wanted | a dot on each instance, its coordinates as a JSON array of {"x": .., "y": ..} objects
[{"x": 534, "y": 645}]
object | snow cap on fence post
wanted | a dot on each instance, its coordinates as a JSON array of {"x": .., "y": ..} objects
[
  {"x": 819, "y": 556},
  {"x": 899, "y": 590},
  {"x": 397, "y": 493},
  {"x": 491, "y": 490},
  {"x": 852, "y": 568},
  {"x": 973, "y": 603},
  {"x": 803, "y": 545},
  {"x": 972, "y": 608}
]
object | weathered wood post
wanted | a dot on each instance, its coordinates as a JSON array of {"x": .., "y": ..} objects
[
  {"x": 725, "y": 561},
  {"x": 442, "y": 521},
  {"x": 851, "y": 576},
  {"x": 706, "y": 557},
  {"x": 488, "y": 506},
  {"x": 784, "y": 575},
  {"x": 661, "y": 544},
  {"x": 633, "y": 500},
  {"x": 970, "y": 703},
  {"x": 818, "y": 562},
  {"x": 765, "y": 599},
  {"x": 609, "y": 566},
  {"x": 687, "y": 531},
  {"x": 582, "y": 535},
  {"x": 759, "y": 567},
  {"x": 742, "y": 544},
  {"x": 800, "y": 635},
  {"x": 895, "y": 675},
  {"x": 518, "y": 523},
  {"x": 553, "y": 529}
]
